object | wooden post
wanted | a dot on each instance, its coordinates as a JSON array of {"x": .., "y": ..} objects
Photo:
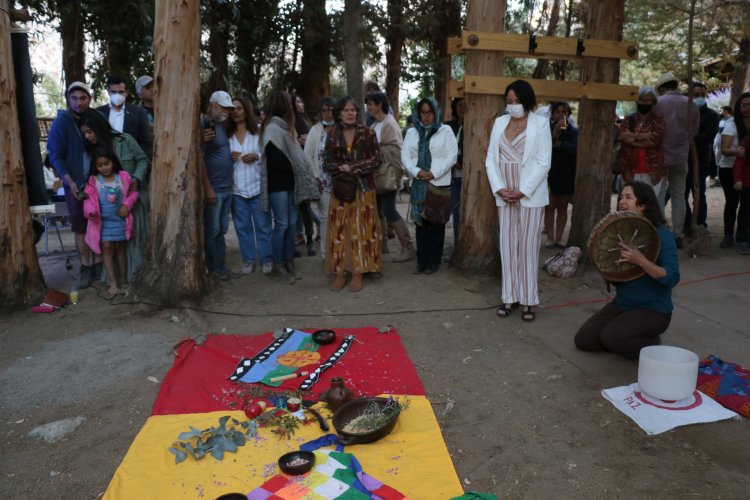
[
  {"x": 596, "y": 119},
  {"x": 21, "y": 281},
  {"x": 174, "y": 270},
  {"x": 476, "y": 249}
]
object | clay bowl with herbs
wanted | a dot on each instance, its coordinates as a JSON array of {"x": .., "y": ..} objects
[{"x": 366, "y": 420}]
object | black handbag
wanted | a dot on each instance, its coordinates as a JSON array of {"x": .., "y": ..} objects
[{"x": 438, "y": 204}]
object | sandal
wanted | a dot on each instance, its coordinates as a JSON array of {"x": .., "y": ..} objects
[
  {"x": 503, "y": 311},
  {"x": 527, "y": 314}
]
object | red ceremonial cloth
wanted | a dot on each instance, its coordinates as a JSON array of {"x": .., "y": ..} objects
[{"x": 198, "y": 382}]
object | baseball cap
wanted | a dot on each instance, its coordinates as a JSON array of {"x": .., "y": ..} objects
[
  {"x": 141, "y": 82},
  {"x": 666, "y": 78},
  {"x": 79, "y": 86},
  {"x": 222, "y": 99}
]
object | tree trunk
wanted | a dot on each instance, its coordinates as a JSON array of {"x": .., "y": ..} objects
[
  {"x": 316, "y": 54},
  {"x": 542, "y": 65},
  {"x": 449, "y": 24},
  {"x": 394, "y": 39},
  {"x": 218, "y": 46},
  {"x": 71, "y": 34},
  {"x": 476, "y": 249},
  {"x": 353, "y": 49},
  {"x": 596, "y": 119},
  {"x": 21, "y": 280},
  {"x": 174, "y": 270},
  {"x": 741, "y": 74}
]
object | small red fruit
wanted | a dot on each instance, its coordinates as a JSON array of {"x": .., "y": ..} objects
[
  {"x": 263, "y": 405},
  {"x": 253, "y": 411}
]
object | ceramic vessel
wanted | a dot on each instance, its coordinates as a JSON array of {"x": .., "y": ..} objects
[
  {"x": 667, "y": 373},
  {"x": 337, "y": 395}
]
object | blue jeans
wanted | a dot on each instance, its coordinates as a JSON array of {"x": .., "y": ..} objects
[
  {"x": 253, "y": 227},
  {"x": 216, "y": 225},
  {"x": 456, "y": 199},
  {"x": 284, "y": 224}
]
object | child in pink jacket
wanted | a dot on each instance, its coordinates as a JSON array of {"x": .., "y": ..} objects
[{"x": 108, "y": 206}]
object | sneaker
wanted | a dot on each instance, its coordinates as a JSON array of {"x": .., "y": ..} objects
[
  {"x": 249, "y": 268},
  {"x": 292, "y": 270},
  {"x": 727, "y": 242},
  {"x": 267, "y": 268},
  {"x": 84, "y": 278},
  {"x": 284, "y": 275},
  {"x": 227, "y": 275},
  {"x": 742, "y": 247}
]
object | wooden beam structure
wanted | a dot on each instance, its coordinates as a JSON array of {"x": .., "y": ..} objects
[
  {"x": 542, "y": 47},
  {"x": 546, "y": 90}
]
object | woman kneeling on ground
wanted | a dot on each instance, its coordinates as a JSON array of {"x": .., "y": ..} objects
[{"x": 642, "y": 308}]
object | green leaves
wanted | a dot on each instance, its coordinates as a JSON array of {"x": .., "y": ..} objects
[{"x": 214, "y": 441}]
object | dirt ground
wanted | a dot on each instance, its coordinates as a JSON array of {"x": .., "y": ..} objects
[{"x": 527, "y": 419}]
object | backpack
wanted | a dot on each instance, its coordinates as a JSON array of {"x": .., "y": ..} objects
[{"x": 564, "y": 264}]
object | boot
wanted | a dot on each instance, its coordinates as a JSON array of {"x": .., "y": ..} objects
[
  {"x": 384, "y": 235},
  {"x": 339, "y": 283},
  {"x": 407, "y": 248},
  {"x": 292, "y": 270},
  {"x": 356, "y": 284},
  {"x": 84, "y": 278}
]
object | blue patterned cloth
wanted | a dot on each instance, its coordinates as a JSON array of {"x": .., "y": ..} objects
[{"x": 110, "y": 201}]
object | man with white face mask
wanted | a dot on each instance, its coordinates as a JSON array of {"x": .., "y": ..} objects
[{"x": 122, "y": 117}]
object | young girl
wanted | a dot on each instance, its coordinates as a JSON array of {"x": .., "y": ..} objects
[{"x": 108, "y": 206}]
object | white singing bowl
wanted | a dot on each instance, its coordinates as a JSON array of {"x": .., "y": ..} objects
[{"x": 668, "y": 373}]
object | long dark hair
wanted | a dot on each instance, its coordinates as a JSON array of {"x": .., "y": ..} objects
[
  {"x": 646, "y": 198},
  {"x": 100, "y": 151},
  {"x": 279, "y": 103},
  {"x": 251, "y": 121},
  {"x": 739, "y": 120},
  {"x": 100, "y": 126}
]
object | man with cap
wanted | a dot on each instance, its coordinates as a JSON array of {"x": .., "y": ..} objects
[
  {"x": 68, "y": 156},
  {"x": 144, "y": 88},
  {"x": 132, "y": 120},
  {"x": 680, "y": 128},
  {"x": 218, "y": 178}
]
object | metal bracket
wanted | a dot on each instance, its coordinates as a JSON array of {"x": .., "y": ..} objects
[{"x": 580, "y": 48}]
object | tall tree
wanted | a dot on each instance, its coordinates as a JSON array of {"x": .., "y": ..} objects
[
  {"x": 316, "y": 53},
  {"x": 446, "y": 22},
  {"x": 476, "y": 248},
  {"x": 71, "y": 35},
  {"x": 256, "y": 31},
  {"x": 174, "y": 269},
  {"x": 21, "y": 280},
  {"x": 594, "y": 174},
  {"x": 395, "y": 37},
  {"x": 218, "y": 18},
  {"x": 353, "y": 49},
  {"x": 542, "y": 65}
]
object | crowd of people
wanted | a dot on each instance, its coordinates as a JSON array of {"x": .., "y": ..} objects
[{"x": 288, "y": 180}]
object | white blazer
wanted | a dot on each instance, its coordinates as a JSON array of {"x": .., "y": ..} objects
[
  {"x": 443, "y": 150},
  {"x": 537, "y": 155}
]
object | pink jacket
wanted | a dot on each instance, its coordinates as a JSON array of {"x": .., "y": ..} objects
[{"x": 92, "y": 213}]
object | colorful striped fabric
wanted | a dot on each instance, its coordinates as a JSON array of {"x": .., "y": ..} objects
[{"x": 197, "y": 392}]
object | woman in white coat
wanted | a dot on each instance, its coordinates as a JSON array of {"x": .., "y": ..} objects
[
  {"x": 428, "y": 154},
  {"x": 518, "y": 160}
]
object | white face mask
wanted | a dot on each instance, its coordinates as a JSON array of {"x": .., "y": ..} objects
[
  {"x": 117, "y": 99},
  {"x": 515, "y": 110}
]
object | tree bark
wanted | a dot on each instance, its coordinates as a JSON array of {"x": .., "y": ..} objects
[
  {"x": 353, "y": 49},
  {"x": 741, "y": 74},
  {"x": 476, "y": 249},
  {"x": 21, "y": 280},
  {"x": 218, "y": 46},
  {"x": 448, "y": 16},
  {"x": 174, "y": 270},
  {"x": 542, "y": 65},
  {"x": 71, "y": 34},
  {"x": 394, "y": 39},
  {"x": 316, "y": 54},
  {"x": 596, "y": 119}
]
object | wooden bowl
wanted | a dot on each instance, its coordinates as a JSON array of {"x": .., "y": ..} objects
[{"x": 285, "y": 462}]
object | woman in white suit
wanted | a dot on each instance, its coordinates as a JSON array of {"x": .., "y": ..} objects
[{"x": 518, "y": 160}]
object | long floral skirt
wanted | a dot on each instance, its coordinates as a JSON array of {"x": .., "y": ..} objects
[{"x": 353, "y": 242}]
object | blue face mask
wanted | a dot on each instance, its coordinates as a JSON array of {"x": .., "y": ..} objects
[{"x": 700, "y": 101}]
